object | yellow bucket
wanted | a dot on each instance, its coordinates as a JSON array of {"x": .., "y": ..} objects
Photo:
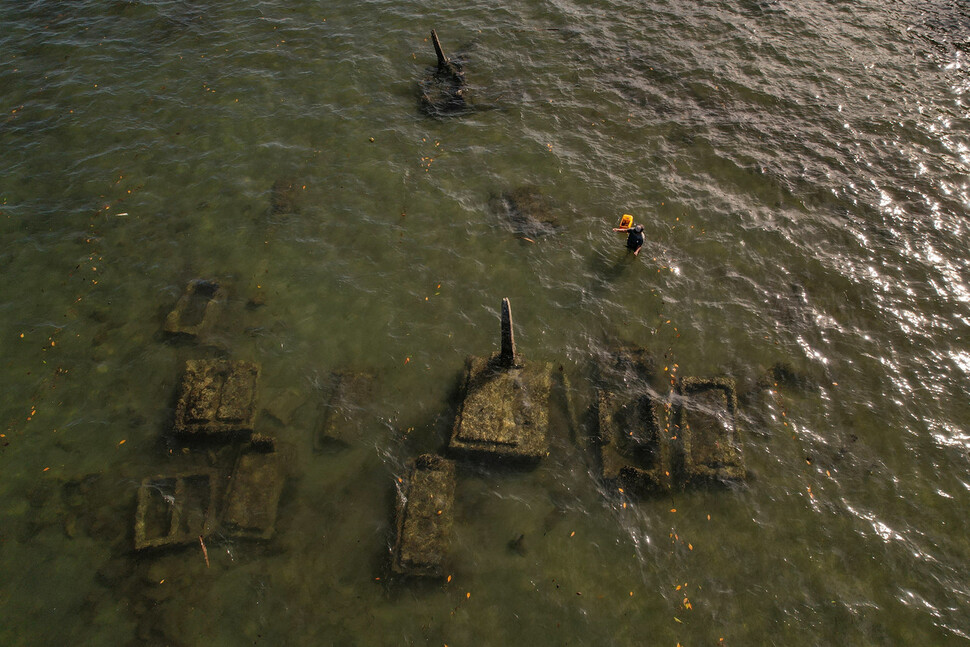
[{"x": 626, "y": 221}]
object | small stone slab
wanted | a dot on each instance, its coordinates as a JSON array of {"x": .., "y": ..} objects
[
  {"x": 254, "y": 495},
  {"x": 505, "y": 412},
  {"x": 217, "y": 397},
  {"x": 340, "y": 421},
  {"x": 634, "y": 445},
  {"x": 707, "y": 421},
  {"x": 174, "y": 510},
  {"x": 196, "y": 309},
  {"x": 424, "y": 517}
]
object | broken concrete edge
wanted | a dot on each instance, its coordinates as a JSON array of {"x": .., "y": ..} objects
[
  {"x": 173, "y": 322},
  {"x": 409, "y": 509},
  {"x": 174, "y": 536},
  {"x": 729, "y": 470}
]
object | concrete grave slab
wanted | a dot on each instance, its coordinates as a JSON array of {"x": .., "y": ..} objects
[
  {"x": 217, "y": 397},
  {"x": 424, "y": 517}
]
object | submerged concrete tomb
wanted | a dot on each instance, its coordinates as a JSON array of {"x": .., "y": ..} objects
[
  {"x": 254, "y": 495},
  {"x": 707, "y": 424},
  {"x": 340, "y": 421},
  {"x": 505, "y": 409},
  {"x": 196, "y": 309},
  {"x": 424, "y": 517},
  {"x": 634, "y": 441},
  {"x": 174, "y": 510},
  {"x": 649, "y": 442},
  {"x": 217, "y": 397}
]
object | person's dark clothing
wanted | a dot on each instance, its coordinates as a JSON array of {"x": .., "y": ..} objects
[{"x": 635, "y": 240}]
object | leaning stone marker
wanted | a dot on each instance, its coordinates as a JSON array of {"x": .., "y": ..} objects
[
  {"x": 424, "y": 517},
  {"x": 217, "y": 397},
  {"x": 196, "y": 309},
  {"x": 254, "y": 495},
  {"x": 707, "y": 421},
  {"x": 174, "y": 510}
]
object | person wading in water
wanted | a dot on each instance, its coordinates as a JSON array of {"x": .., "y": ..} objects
[{"x": 635, "y": 240}]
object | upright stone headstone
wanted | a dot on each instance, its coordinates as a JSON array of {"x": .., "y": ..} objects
[{"x": 507, "y": 358}]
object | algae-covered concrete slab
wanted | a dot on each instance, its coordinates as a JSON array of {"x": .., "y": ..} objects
[
  {"x": 635, "y": 449},
  {"x": 505, "y": 411},
  {"x": 424, "y": 517},
  {"x": 217, "y": 397},
  {"x": 196, "y": 309},
  {"x": 707, "y": 424},
  {"x": 254, "y": 494},
  {"x": 174, "y": 510}
]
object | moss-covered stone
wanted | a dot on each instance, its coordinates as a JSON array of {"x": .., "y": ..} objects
[
  {"x": 505, "y": 411},
  {"x": 254, "y": 495},
  {"x": 424, "y": 517},
  {"x": 174, "y": 509},
  {"x": 217, "y": 397},
  {"x": 197, "y": 308},
  {"x": 707, "y": 426}
]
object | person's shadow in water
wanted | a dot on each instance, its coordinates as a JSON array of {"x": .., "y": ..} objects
[{"x": 606, "y": 267}]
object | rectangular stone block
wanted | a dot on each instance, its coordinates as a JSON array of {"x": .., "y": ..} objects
[
  {"x": 707, "y": 425},
  {"x": 424, "y": 517},
  {"x": 174, "y": 510},
  {"x": 340, "y": 419},
  {"x": 254, "y": 494},
  {"x": 635, "y": 448},
  {"x": 217, "y": 397}
]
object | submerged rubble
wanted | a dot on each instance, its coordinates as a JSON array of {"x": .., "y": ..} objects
[
  {"x": 505, "y": 409},
  {"x": 217, "y": 398},
  {"x": 197, "y": 308},
  {"x": 424, "y": 517}
]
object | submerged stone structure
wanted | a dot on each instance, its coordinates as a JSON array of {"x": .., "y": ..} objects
[
  {"x": 633, "y": 439},
  {"x": 175, "y": 510},
  {"x": 707, "y": 424},
  {"x": 444, "y": 90},
  {"x": 424, "y": 517},
  {"x": 505, "y": 408},
  {"x": 340, "y": 422},
  {"x": 217, "y": 397},
  {"x": 527, "y": 211},
  {"x": 254, "y": 493},
  {"x": 654, "y": 443},
  {"x": 196, "y": 309},
  {"x": 635, "y": 448}
]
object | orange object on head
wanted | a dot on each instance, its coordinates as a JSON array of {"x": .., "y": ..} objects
[{"x": 626, "y": 220}]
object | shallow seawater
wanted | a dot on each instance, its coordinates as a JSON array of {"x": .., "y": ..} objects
[{"x": 801, "y": 172}]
